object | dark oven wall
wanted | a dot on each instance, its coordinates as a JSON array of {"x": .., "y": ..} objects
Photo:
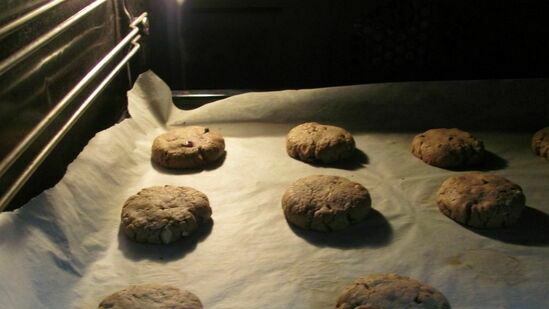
[{"x": 276, "y": 44}]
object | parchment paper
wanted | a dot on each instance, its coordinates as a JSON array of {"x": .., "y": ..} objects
[{"x": 64, "y": 249}]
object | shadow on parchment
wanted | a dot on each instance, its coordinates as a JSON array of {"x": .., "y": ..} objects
[
  {"x": 532, "y": 229},
  {"x": 357, "y": 160},
  {"x": 375, "y": 231},
  {"x": 186, "y": 171},
  {"x": 163, "y": 252},
  {"x": 491, "y": 162}
]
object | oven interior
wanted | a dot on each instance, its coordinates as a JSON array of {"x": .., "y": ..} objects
[{"x": 65, "y": 66}]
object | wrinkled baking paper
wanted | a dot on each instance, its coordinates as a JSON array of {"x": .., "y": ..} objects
[{"x": 64, "y": 248}]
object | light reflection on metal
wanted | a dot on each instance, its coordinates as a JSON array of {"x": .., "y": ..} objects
[
  {"x": 126, "y": 11},
  {"x": 8, "y": 161},
  {"x": 14, "y": 59},
  {"x": 31, "y": 168},
  {"x": 14, "y": 82},
  {"x": 9, "y": 28}
]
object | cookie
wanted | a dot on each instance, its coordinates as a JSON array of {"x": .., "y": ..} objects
[
  {"x": 163, "y": 214},
  {"x": 388, "y": 291},
  {"x": 151, "y": 296},
  {"x": 481, "y": 200},
  {"x": 540, "y": 143},
  {"x": 187, "y": 147},
  {"x": 448, "y": 148},
  {"x": 317, "y": 143},
  {"x": 325, "y": 203}
]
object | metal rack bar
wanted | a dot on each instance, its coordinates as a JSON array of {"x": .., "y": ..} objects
[
  {"x": 31, "y": 168},
  {"x": 36, "y": 44},
  {"x": 9, "y": 28},
  {"x": 132, "y": 37},
  {"x": 61, "y": 105}
]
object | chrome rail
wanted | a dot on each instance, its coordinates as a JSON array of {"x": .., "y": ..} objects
[
  {"x": 11, "y": 27},
  {"x": 31, "y": 168},
  {"x": 61, "y": 105},
  {"x": 14, "y": 59},
  {"x": 132, "y": 37}
]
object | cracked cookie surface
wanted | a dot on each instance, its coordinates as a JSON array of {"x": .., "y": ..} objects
[
  {"x": 164, "y": 214},
  {"x": 151, "y": 296},
  {"x": 388, "y": 291},
  {"x": 187, "y": 147},
  {"x": 325, "y": 203},
  {"x": 540, "y": 143},
  {"x": 313, "y": 142},
  {"x": 481, "y": 200},
  {"x": 448, "y": 148}
]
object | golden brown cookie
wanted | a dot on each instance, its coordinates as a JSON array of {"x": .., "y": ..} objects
[
  {"x": 187, "y": 147},
  {"x": 390, "y": 291},
  {"x": 540, "y": 143},
  {"x": 151, "y": 296},
  {"x": 481, "y": 200},
  {"x": 164, "y": 214},
  {"x": 314, "y": 142},
  {"x": 325, "y": 203},
  {"x": 448, "y": 148}
]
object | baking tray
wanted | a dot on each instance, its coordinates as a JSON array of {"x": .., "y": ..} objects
[{"x": 70, "y": 252}]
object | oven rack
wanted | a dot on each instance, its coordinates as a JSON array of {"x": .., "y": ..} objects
[{"x": 130, "y": 43}]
